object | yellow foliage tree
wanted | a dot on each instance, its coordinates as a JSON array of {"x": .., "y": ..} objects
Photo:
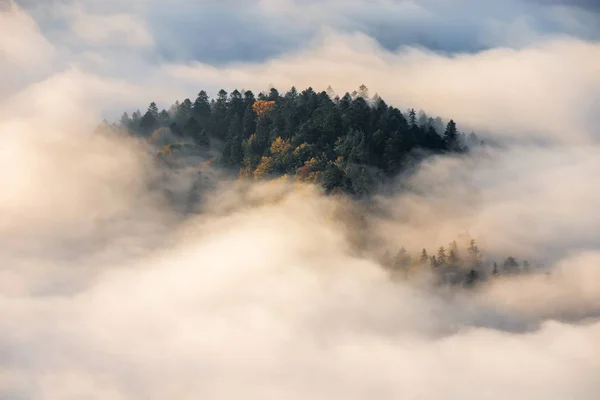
[
  {"x": 280, "y": 147},
  {"x": 264, "y": 168},
  {"x": 246, "y": 171},
  {"x": 261, "y": 107}
]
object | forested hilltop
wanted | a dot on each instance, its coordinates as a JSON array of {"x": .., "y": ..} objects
[{"x": 346, "y": 144}]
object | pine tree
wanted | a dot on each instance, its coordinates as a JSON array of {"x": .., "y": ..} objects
[
  {"x": 451, "y": 136},
  {"x": 153, "y": 109},
  {"x": 441, "y": 256},
  {"x": 412, "y": 118},
  {"x": 434, "y": 262},
  {"x": 201, "y": 110},
  {"x": 424, "y": 257},
  {"x": 474, "y": 254}
]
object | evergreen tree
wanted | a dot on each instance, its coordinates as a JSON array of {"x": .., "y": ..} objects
[
  {"x": 412, "y": 118},
  {"x": 453, "y": 256},
  {"x": 511, "y": 265},
  {"x": 471, "y": 278},
  {"x": 424, "y": 257},
  {"x": 201, "y": 110},
  {"x": 451, "y": 136},
  {"x": 434, "y": 262},
  {"x": 363, "y": 92},
  {"x": 249, "y": 122},
  {"x": 220, "y": 116},
  {"x": 474, "y": 255},
  {"x": 125, "y": 121},
  {"x": 441, "y": 256},
  {"x": 153, "y": 109},
  {"x": 148, "y": 123},
  {"x": 164, "y": 118}
]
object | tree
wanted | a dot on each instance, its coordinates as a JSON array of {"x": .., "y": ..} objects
[
  {"x": 201, "y": 138},
  {"x": 424, "y": 257},
  {"x": 249, "y": 121},
  {"x": 184, "y": 112},
  {"x": 153, "y": 109},
  {"x": 194, "y": 130},
  {"x": 402, "y": 260},
  {"x": 263, "y": 107},
  {"x": 453, "y": 256},
  {"x": 264, "y": 168},
  {"x": 412, "y": 118},
  {"x": 220, "y": 123},
  {"x": 363, "y": 92},
  {"x": 125, "y": 121},
  {"x": 333, "y": 177},
  {"x": 330, "y": 92},
  {"x": 273, "y": 94},
  {"x": 474, "y": 254},
  {"x": 511, "y": 265},
  {"x": 236, "y": 153},
  {"x": 451, "y": 136},
  {"x": 201, "y": 109},
  {"x": 441, "y": 256},
  {"x": 248, "y": 98},
  {"x": 471, "y": 278},
  {"x": 164, "y": 118},
  {"x": 236, "y": 104},
  {"x": 434, "y": 262},
  {"x": 495, "y": 271},
  {"x": 148, "y": 123}
]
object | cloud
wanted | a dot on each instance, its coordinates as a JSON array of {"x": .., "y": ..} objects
[
  {"x": 530, "y": 201},
  {"x": 24, "y": 51},
  {"x": 543, "y": 91},
  {"x": 233, "y": 30},
  {"x": 293, "y": 312},
  {"x": 111, "y": 30},
  {"x": 108, "y": 293}
]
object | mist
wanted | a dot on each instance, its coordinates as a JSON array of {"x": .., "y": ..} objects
[{"x": 110, "y": 290}]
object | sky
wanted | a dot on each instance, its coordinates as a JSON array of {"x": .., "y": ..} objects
[{"x": 106, "y": 292}]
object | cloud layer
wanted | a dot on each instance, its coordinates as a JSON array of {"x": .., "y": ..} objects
[{"x": 109, "y": 293}]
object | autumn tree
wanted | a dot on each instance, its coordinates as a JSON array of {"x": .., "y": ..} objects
[{"x": 263, "y": 107}]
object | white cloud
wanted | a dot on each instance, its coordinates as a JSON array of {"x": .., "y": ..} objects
[
  {"x": 107, "y": 294},
  {"x": 107, "y": 29},
  {"x": 540, "y": 92},
  {"x": 24, "y": 51}
]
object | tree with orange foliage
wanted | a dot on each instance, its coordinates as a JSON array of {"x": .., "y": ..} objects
[{"x": 261, "y": 107}]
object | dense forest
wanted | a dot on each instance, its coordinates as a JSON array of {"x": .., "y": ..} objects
[{"x": 346, "y": 144}]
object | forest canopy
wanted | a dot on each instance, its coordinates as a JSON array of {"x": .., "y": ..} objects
[{"x": 346, "y": 144}]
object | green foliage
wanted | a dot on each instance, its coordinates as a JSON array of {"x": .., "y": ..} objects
[{"x": 350, "y": 143}]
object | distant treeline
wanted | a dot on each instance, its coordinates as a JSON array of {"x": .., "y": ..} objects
[
  {"x": 453, "y": 266},
  {"x": 346, "y": 144}
]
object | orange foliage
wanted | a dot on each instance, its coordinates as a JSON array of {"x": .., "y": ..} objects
[
  {"x": 262, "y": 106},
  {"x": 264, "y": 168},
  {"x": 280, "y": 147}
]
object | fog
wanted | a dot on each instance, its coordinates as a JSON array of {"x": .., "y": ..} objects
[{"x": 273, "y": 289}]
